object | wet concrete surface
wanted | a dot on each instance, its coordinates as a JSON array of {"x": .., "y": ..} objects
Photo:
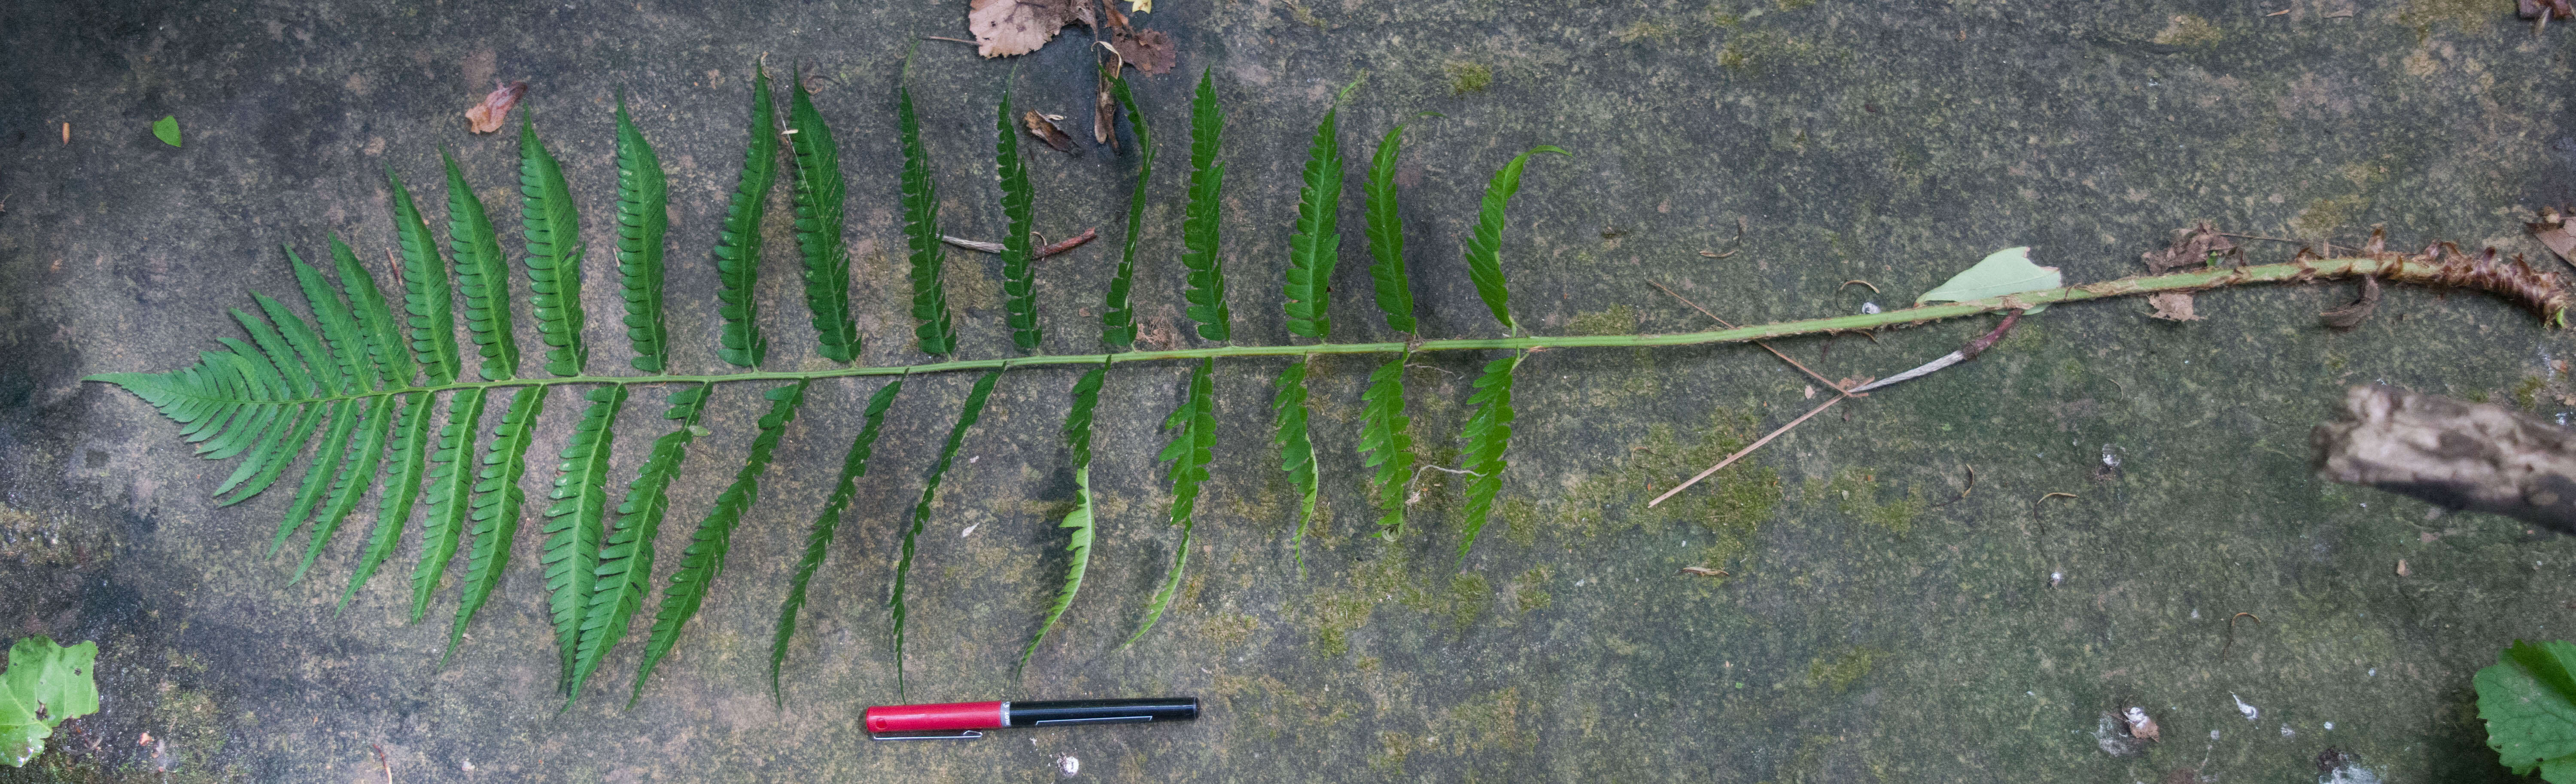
[{"x": 1874, "y": 624}]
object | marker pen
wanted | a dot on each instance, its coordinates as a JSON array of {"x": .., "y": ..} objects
[{"x": 967, "y": 720}]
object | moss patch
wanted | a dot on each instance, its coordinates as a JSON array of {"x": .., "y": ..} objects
[
  {"x": 2189, "y": 30},
  {"x": 1467, "y": 77},
  {"x": 2527, "y": 393},
  {"x": 1614, "y": 320},
  {"x": 1855, "y": 493},
  {"x": 1837, "y": 672},
  {"x": 1732, "y": 505},
  {"x": 1764, "y": 51},
  {"x": 1647, "y": 30}
]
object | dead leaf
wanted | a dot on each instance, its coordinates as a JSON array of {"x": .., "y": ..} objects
[
  {"x": 2556, "y": 9},
  {"x": 2402, "y": 571},
  {"x": 146, "y": 740},
  {"x": 2350, "y": 316},
  {"x": 1150, "y": 51},
  {"x": 1117, "y": 21},
  {"x": 1104, "y": 111},
  {"x": 2552, "y": 230},
  {"x": 486, "y": 117},
  {"x": 2172, "y": 306},
  {"x": 2142, "y": 727},
  {"x": 1141, "y": 6},
  {"x": 1704, "y": 571},
  {"x": 1008, "y": 27},
  {"x": 1047, "y": 132},
  {"x": 2198, "y": 246},
  {"x": 1716, "y": 255}
]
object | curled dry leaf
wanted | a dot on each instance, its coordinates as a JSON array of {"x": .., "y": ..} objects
[
  {"x": 2140, "y": 726},
  {"x": 2402, "y": 571},
  {"x": 2172, "y": 306},
  {"x": 2350, "y": 316},
  {"x": 1047, "y": 132},
  {"x": 1009, "y": 27},
  {"x": 487, "y": 116},
  {"x": 2552, "y": 230},
  {"x": 1150, "y": 51},
  {"x": 2555, "y": 9},
  {"x": 1704, "y": 571}
]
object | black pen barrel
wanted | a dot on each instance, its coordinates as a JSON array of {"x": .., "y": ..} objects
[{"x": 1056, "y": 713}]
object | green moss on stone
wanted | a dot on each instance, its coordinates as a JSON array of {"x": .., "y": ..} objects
[
  {"x": 1837, "y": 672},
  {"x": 1465, "y": 77},
  {"x": 2189, "y": 30},
  {"x": 2527, "y": 393},
  {"x": 1614, "y": 320}
]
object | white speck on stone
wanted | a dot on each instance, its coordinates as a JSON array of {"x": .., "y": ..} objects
[
  {"x": 2195, "y": 613},
  {"x": 970, "y": 531},
  {"x": 2110, "y": 457},
  {"x": 970, "y": 460},
  {"x": 2248, "y": 710},
  {"x": 2213, "y": 734},
  {"x": 2056, "y": 577},
  {"x": 1870, "y": 308},
  {"x": 468, "y": 766},
  {"x": 2329, "y": 726},
  {"x": 2374, "y": 672},
  {"x": 2286, "y": 732},
  {"x": 1068, "y": 765}
]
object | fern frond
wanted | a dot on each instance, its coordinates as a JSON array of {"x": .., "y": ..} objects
[
  {"x": 705, "y": 558},
  {"x": 554, "y": 252},
  {"x": 343, "y": 341},
  {"x": 451, "y": 495},
  {"x": 818, "y": 539},
  {"x": 1386, "y": 442},
  {"x": 317, "y": 477},
  {"x": 427, "y": 296},
  {"x": 1488, "y": 433},
  {"x": 258, "y": 384},
  {"x": 1315, "y": 245},
  {"x": 1484, "y": 246},
  {"x": 738, "y": 241},
  {"x": 232, "y": 403},
  {"x": 1296, "y": 451},
  {"x": 1019, "y": 272},
  {"x": 357, "y": 473},
  {"x": 643, "y": 215},
  {"x": 819, "y": 195},
  {"x": 282, "y": 444},
  {"x": 1077, "y": 434},
  {"x": 1199, "y": 222},
  {"x": 308, "y": 346},
  {"x": 625, "y": 570},
  {"x": 1192, "y": 448},
  {"x": 402, "y": 490},
  {"x": 574, "y": 525},
  {"x": 1118, "y": 311},
  {"x": 482, "y": 276},
  {"x": 376, "y": 325},
  {"x": 921, "y": 233},
  {"x": 497, "y": 498},
  {"x": 966, "y": 418},
  {"x": 1386, "y": 235}
]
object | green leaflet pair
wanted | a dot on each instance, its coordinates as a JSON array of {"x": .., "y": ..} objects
[{"x": 364, "y": 380}]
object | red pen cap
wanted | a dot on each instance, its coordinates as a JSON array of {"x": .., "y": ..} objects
[{"x": 934, "y": 718}]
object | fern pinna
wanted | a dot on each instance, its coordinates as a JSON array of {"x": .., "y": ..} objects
[{"x": 356, "y": 381}]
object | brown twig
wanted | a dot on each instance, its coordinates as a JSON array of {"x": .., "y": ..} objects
[
  {"x": 1716, "y": 255},
  {"x": 951, "y": 40},
  {"x": 2034, "y": 505},
  {"x": 1766, "y": 345},
  {"x": 1069, "y": 243},
  {"x": 1963, "y": 492},
  {"x": 1873, "y": 288},
  {"x": 2231, "y": 631},
  {"x": 380, "y": 760},
  {"x": 1739, "y": 454}
]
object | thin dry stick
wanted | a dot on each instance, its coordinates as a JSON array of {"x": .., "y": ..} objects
[
  {"x": 1730, "y": 459},
  {"x": 1766, "y": 345},
  {"x": 951, "y": 40},
  {"x": 380, "y": 760}
]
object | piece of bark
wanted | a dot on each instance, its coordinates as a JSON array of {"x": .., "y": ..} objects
[
  {"x": 2462, "y": 456},
  {"x": 2172, "y": 306}
]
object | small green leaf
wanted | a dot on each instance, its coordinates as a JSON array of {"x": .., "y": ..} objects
[
  {"x": 1199, "y": 235},
  {"x": 1386, "y": 442},
  {"x": 1484, "y": 245},
  {"x": 168, "y": 129},
  {"x": 2001, "y": 273},
  {"x": 1386, "y": 235},
  {"x": 1296, "y": 451},
  {"x": 1118, "y": 313},
  {"x": 1488, "y": 434},
  {"x": 2528, "y": 700},
  {"x": 1019, "y": 277},
  {"x": 818, "y": 539},
  {"x": 921, "y": 234},
  {"x": 46, "y": 684},
  {"x": 1193, "y": 447},
  {"x": 967, "y": 416}
]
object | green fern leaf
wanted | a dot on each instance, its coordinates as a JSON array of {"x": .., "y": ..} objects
[
  {"x": 345, "y": 343},
  {"x": 497, "y": 498},
  {"x": 308, "y": 346},
  {"x": 574, "y": 526},
  {"x": 482, "y": 276},
  {"x": 738, "y": 242},
  {"x": 451, "y": 495},
  {"x": 1488, "y": 433},
  {"x": 966, "y": 418},
  {"x": 401, "y": 491},
  {"x": 282, "y": 443},
  {"x": 376, "y": 325},
  {"x": 427, "y": 296},
  {"x": 250, "y": 409},
  {"x": 1484, "y": 246},
  {"x": 1386, "y": 235},
  {"x": 357, "y": 472},
  {"x": 1019, "y": 272},
  {"x": 705, "y": 558},
  {"x": 1206, "y": 294},
  {"x": 554, "y": 252},
  {"x": 819, "y": 194},
  {"x": 643, "y": 215},
  {"x": 317, "y": 478},
  {"x": 1192, "y": 448},
  {"x": 921, "y": 232},
  {"x": 1296, "y": 451},
  {"x": 1386, "y": 442},
  {"x": 625, "y": 569},
  {"x": 1314, "y": 246},
  {"x": 1077, "y": 433},
  {"x": 1118, "y": 311},
  {"x": 818, "y": 539}
]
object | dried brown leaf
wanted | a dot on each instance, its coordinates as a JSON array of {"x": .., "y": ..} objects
[
  {"x": 2141, "y": 726},
  {"x": 1150, "y": 51},
  {"x": 2172, "y": 306},
  {"x": 1104, "y": 110},
  {"x": 2350, "y": 316},
  {"x": 487, "y": 116},
  {"x": 1008, "y": 27},
  {"x": 1704, "y": 571},
  {"x": 2191, "y": 248},
  {"x": 1117, "y": 21},
  {"x": 1047, "y": 132},
  {"x": 2402, "y": 571},
  {"x": 2552, "y": 230}
]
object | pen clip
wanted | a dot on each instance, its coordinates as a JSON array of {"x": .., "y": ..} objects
[{"x": 958, "y": 735}]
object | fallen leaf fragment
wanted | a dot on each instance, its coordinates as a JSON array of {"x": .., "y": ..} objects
[
  {"x": 1008, "y": 27},
  {"x": 67, "y": 133},
  {"x": 2281, "y": 12},
  {"x": 487, "y": 116},
  {"x": 1150, "y": 51},
  {"x": 2142, "y": 727},
  {"x": 2533, "y": 9},
  {"x": 2199, "y": 246},
  {"x": 1104, "y": 110},
  {"x": 146, "y": 740},
  {"x": 1047, "y": 132},
  {"x": 1716, "y": 255},
  {"x": 2402, "y": 571},
  {"x": 1704, "y": 571},
  {"x": 2172, "y": 306},
  {"x": 167, "y": 130},
  {"x": 1117, "y": 21},
  {"x": 1141, "y": 6},
  {"x": 2552, "y": 230},
  {"x": 2350, "y": 316}
]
